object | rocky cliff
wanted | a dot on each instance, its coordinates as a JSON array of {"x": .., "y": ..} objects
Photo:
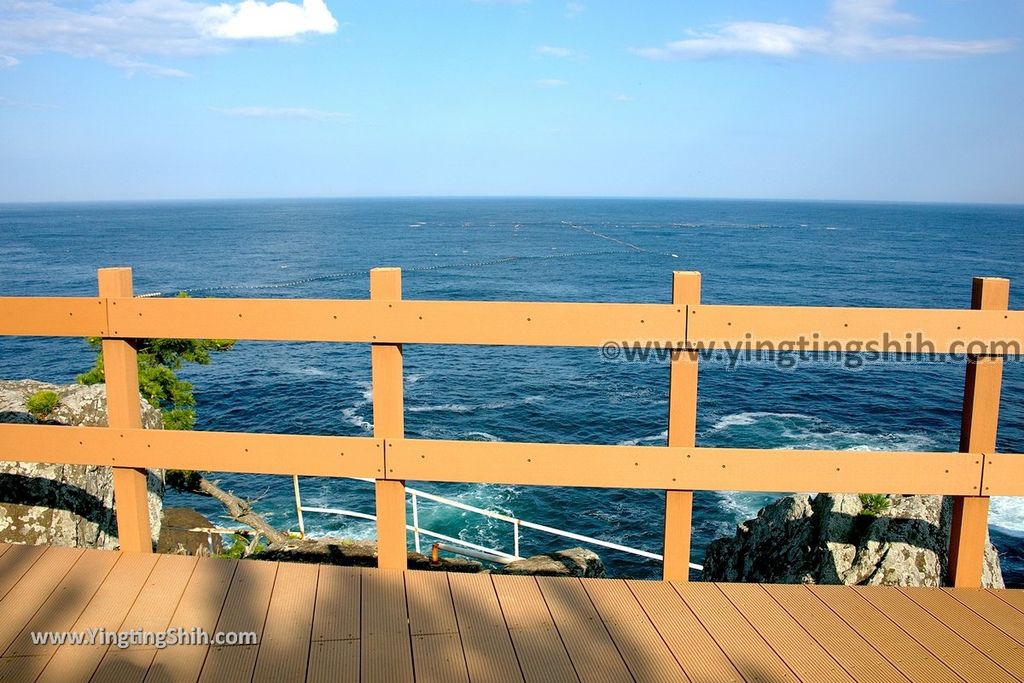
[
  {"x": 830, "y": 539},
  {"x": 68, "y": 505}
]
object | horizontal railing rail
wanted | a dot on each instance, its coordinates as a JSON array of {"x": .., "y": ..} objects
[
  {"x": 519, "y": 463},
  {"x": 909, "y": 330},
  {"x": 386, "y": 322}
]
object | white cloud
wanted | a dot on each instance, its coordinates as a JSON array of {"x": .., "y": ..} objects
[
  {"x": 6, "y": 62},
  {"x": 574, "y": 9},
  {"x": 559, "y": 52},
  {"x": 283, "y": 113},
  {"x": 134, "y": 34},
  {"x": 853, "y": 29},
  {"x": 253, "y": 19},
  {"x": 550, "y": 83},
  {"x": 24, "y": 104},
  {"x": 620, "y": 97}
]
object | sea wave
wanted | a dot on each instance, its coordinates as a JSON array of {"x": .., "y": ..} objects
[
  {"x": 797, "y": 430},
  {"x": 473, "y": 407}
]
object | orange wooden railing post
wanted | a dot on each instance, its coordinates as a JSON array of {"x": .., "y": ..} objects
[
  {"x": 682, "y": 431},
  {"x": 969, "y": 531},
  {"x": 388, "y": 422},
  {"x": 124, "y": 410}
]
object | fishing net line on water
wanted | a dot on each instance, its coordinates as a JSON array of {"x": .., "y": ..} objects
[{"x": 631, "y": 248}]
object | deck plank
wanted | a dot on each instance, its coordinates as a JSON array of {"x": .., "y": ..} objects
[
  {"x": 200, "y": 608},
  {"x": 541, "y": 653},
  {"x": 245, "y": 609},
  {"x": 1005, "y": 617},
  {"x": 21, "y": 669},
  {"x": 385, "y": 648},
  {"x": 751, "y": 654},
  {"x": 700, "y": 656},
  {"x": 486, "y": 643},
  {"x": 131, "y": 665},
  {"x": 436, "y": 647},
  {"x": 284, "y": 647},
  {"x": 1014, "y": 598},
  {"x": 15, "y": 563},
  {"x": 641, "y": 646},
  {"x": 105, "y": 612},
  {"x": 33, "y": 588},
  {"x": 793, "y": 645},
  {"x": 65, "y": 604},
  {"x": 983, "y": 636},
  {"x": 903, "y": 651},
  {"x": 342, "y": 624},
  {"x": 590, "y": 646},
  {"x": 943, "y": 642},
  {"x": 334, "y": 651},
  {"x": 334, "y": 661},
  {"x": 337, "y": 612},
  {"x": 151, "y": 613},
  {"x": 843, "y": 643}
]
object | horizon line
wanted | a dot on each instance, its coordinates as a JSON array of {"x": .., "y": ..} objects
[{"x": 180, "y": 200}]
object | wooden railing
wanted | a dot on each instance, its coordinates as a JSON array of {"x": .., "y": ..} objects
[{"x": 386, "y": 321}]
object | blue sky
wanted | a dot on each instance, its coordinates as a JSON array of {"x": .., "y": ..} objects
[{"x": 874, "y": 100}]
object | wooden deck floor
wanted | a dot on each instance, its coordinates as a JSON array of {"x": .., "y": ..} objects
[{"x": 322, "y": 623}]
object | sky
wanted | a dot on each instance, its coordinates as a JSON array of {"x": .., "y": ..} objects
[{"x": 175, "y": 99}]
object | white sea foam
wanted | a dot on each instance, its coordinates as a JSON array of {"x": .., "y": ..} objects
[
  {"x": 796, "y": 430},
  {"x": 745, "y": 419},
  {"x": 482, "y": 436},
  {"x": 469, "y": 408},
  {"x": 1007, "y": 513},
  {"x": 352, "y": 416},
  {"x": 660, "y": 438}
]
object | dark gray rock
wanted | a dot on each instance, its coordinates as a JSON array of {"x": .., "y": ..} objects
[
  {"x": 353, "y": 553},
  {"x": 572, "y": 562},
  {"x": 67, "y": 505},
  {"x": 829, "y": 540},
  {"x": 176, "y": 539}
]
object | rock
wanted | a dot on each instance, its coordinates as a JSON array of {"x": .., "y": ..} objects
[
  {"x": 829, "y": 540},
  {"x": 68, "y": 505},
  {"x": 349, "y": 553},
  {"x": 572, "y": 562},
  {"x": 176, "y": 540}
]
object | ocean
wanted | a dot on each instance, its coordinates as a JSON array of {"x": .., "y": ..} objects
[{"x": 612, "y": 250}]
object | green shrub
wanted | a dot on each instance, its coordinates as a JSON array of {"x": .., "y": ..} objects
[
  {"x": 159, "y": 361},
  {"x": 42, "y": 403},
  {"x": 874, "y": 503},
  {"x": 236, "y": 550}
]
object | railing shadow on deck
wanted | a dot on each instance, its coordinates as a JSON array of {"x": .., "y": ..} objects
[{"x": 386, "y": 322}]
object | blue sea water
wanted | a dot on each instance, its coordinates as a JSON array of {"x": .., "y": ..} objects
[{"x": 749, "y": 252}]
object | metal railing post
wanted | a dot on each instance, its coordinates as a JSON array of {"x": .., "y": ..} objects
[
  {"x": 416, "y": 522},
  {"x": 298, "y": 505}
]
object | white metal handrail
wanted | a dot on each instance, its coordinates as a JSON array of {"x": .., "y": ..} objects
[{"x": 494, "y": 554}]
